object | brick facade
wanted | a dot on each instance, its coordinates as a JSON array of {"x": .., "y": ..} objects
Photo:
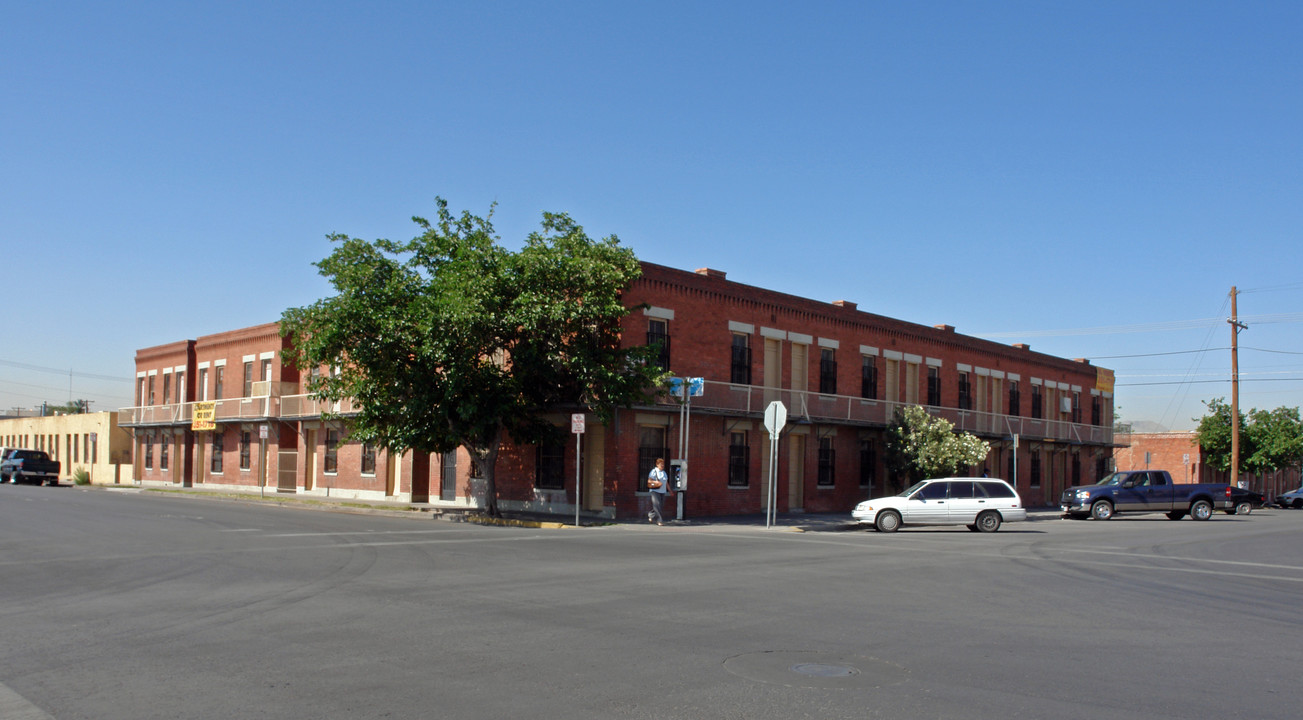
[{"x": 840, "y": 372}]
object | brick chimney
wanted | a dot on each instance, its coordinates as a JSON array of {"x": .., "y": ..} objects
[
  {"x": 710, "y": 273},
  {"x": 844, "y": 304}
]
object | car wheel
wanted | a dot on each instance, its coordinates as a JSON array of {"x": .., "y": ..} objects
[
  {"x": 1297, "y": 504},
  {"x": 1176, "y": 515},
  {"x": 1101, "y": 510},
  {"x": 988, "y": 521},
  {"x": 887, "y": 521},
  {"x": 1243, "y": 508},
  {"x": 1201, "y": 510},
  {"x": 17, "y": 478}
]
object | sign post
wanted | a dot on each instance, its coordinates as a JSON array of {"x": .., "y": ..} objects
[
  {"x": 577, "y": 427},
  {"x": 686, "y": 388},
  {"x": 775, "y": 419}
]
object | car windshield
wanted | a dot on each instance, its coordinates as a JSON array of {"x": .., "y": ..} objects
[
  {"x": 913, "y": 488},
  {"x": 1112, "y": 479}
]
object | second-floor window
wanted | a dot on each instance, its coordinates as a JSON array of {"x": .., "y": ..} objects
[
  {"x": 869, "y": 377},
  {"x": 1076, "y": 407},
  {"x": 248, "y": 379},
  {"x": 180, "y": 387},
  {"x": 740, "y": 373},
  {"x": 933, "y": 386},
  {"x": 1015, "y": 399},
  {"x": 203, "y": 383},
  {"x": 1096, "y": 409},
  {"x": 1037, "y": 402},
  {"x": 827, "y": 372},
  {"x": 167, "y": 388},
  {"x": 151, "y": 389},
  {"x": 965, "y": 392},
  {"x": 219, "y": 375},
  {"x": 658, "y": 335}
]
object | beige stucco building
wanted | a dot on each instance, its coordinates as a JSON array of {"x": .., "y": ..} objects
[{"x": 90, "y": 441}]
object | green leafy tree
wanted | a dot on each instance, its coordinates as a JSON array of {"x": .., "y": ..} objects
[
  {"x": 922, "y": 446},
  {"x": 450, "y": 340},
  {"x": 1276, "y": 438},
  {"x": 1214, "y": 436}
]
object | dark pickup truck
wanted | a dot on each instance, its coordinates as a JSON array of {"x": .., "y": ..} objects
[
  {"x": 29, "y": 466},
  {"x": 1145, "y": 491}
]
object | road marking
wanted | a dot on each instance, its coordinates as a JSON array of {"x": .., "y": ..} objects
[
  {"x": 368, "y": 533},
  {"x": 16, "y": 707},
  {"x": 1273, "y": 566}
]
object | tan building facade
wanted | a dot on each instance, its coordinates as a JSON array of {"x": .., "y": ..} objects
[{"x": 91, "y": 441}]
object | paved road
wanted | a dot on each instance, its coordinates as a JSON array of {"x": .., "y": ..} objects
[{"x": 133, "y": 605}]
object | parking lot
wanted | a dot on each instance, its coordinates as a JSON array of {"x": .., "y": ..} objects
[{"x": 120, "y": 604}]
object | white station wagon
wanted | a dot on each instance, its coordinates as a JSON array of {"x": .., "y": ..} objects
[{"x": 980, "y": 503}]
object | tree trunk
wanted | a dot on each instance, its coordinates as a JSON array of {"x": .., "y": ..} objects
[{"x": 487, "y": 457}]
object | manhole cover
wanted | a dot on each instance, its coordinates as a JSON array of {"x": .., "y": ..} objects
[
  {"x": 810, "y": 669},
  {"x": 821, "y": 670}
]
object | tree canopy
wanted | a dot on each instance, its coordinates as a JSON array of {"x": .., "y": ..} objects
[
  {"x": 452, "y": 340},
  {"x": 1269, "y": 440},
  {"x": 922, "y": 446}
]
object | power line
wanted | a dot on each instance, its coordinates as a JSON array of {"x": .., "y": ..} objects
[
  {"x": 1206, "y": 382},
  {"x": 64, "y": 372}
]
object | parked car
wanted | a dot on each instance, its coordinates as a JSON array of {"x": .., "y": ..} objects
[
  {"x": 980, "y": 503},
  {"x": 29, "y": 466},
  {"x": 1145, "y": 491},
  {"x": 1244, "y": 501},
  {"x": 1291, "y": 499}
]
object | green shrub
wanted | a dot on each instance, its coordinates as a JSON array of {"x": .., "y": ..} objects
[{"x": 81, "y": 476}]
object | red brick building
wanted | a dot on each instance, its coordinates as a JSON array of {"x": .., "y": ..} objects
[
  {"x": 222, "y": 409},
  {"x": 1180, "y": 455}
]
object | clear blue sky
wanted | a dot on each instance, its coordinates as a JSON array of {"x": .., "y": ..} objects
[{"x": 1090, "y": 178}]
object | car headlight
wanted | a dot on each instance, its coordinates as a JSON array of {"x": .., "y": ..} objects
[{"x": 1083, "y": 494}]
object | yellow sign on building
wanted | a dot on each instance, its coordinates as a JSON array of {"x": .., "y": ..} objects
[
  {"x": 204, "y": 416},
  {"x": 1104, "y": 380}
]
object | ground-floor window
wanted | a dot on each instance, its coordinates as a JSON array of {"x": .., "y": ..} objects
[
  {"x": 868, "y": 462},
  {"x": 246, "y": 440},
  {"x": 1036, "y": 470},
  {"x": 162, "y": 452},
  {"x": 368, "y": 459},
  {"x": 219, "y": 444},
  {"x": 739, "y": 460},
  {"x": 149, "y": 452},
  {"x": 332, "y": 451},
  {"x": 651, "y": 445},
  {"x": 549, "y": 466},
  {"x": 827, "y": 462}
]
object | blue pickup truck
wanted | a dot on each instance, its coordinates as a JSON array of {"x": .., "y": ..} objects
[{"x": 1145, "y": 491}]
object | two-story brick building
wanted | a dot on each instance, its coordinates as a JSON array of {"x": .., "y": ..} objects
[{"x": 222, "y": 409}]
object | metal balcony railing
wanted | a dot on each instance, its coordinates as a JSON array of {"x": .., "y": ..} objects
[
  {"x": 751, "y": 400},
  {"x": 250, "y": 409},
  {"x": 717, "y": 398}
]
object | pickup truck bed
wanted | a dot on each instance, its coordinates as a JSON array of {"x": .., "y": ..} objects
[
  {"x": 1145, "y": 491},
  {"x": 29, "y": 466}
]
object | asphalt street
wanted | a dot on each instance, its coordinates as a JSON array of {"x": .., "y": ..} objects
[{"x": 127, "y": 604}]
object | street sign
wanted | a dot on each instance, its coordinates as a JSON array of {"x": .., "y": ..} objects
[
  {"x": 775, "y": 417},
  {"x": 577, "y": 423},
  {"x": 263, "y": 432},
  {"x": 695, "y": 387}
]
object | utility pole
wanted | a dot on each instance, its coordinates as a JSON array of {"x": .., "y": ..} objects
[{"x": 1236, "y": 327}]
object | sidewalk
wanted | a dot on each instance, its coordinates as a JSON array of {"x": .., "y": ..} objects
[{"x": 785, "y": 522}]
